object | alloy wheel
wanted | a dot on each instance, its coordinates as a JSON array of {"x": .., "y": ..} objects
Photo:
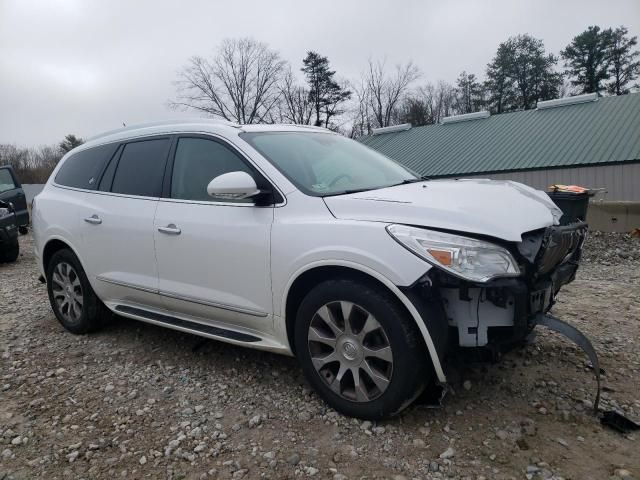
[
  {"x": 67, "y": 292},
  {"x": 350, "y": 351}
]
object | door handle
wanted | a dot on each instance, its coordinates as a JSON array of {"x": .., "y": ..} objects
[
  {"x": 170, "y": 229},
  {"x": 93, "y": 219}
]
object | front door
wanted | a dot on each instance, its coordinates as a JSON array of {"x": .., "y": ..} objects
[
  {"x": 213, "y": 254},
  {"x": 11, "y": 192}
]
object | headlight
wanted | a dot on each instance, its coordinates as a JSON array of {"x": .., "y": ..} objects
[
  {"x": 4, "y": 212},
  {"x": 463, "y": 257}
]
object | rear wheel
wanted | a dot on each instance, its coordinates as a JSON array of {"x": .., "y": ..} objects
[
  {"x": 72, "y": 299},
  {"x": 11, "y": 252},
  {"x": 359, "y": 349}
]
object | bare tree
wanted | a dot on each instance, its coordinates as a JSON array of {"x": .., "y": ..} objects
[
  {"x": 295, "y": 105},
  {"x": 32, "y": 165},
  {"x": 239, "y": 83},
  {"x": 361, "y": 115},
  {"x": 386, "y": 90},
  {"x": 443, "y": 101}
]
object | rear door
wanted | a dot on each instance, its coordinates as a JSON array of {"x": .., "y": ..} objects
[
  {"x": 117, "y": 224},
  {"x": 11, "y": 191},
  {"x": 213, "y": 254}
]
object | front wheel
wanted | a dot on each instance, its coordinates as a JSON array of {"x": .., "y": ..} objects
[{"x": 359, "y": 349}]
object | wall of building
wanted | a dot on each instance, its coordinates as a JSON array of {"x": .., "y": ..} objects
[{"x": 621, "y": 181}]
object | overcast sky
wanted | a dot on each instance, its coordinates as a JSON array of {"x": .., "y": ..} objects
[{"x": 85, "y": 66}]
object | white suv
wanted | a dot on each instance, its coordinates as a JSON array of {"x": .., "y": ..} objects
[{"x": 299, "y": 241}]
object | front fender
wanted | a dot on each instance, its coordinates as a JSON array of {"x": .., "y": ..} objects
[{"x": 409, "y": 305}]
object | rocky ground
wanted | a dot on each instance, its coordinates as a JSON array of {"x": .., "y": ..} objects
[{"x": 135, "y": 401}]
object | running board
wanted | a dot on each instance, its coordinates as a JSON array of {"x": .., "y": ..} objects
[{"x": 196, "y": 327}]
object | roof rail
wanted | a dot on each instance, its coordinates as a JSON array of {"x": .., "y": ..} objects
[
  {"x": 160, "y": 123},
  {"x": 310, "y": 127},
  {"x": 391, "y": 129},
  {"x": 465, "y": 117},
  {"x": 562, "y": 102}
]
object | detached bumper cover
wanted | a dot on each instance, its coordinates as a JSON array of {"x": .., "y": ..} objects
[{"x": 572, "y": 333}]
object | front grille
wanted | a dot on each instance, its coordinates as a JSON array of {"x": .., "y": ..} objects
[{"x": 558, "y": 244}]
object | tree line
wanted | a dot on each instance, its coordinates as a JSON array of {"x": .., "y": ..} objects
[
  {"x": 34, "y": 165},
  {"x": 245, "y": 81}
]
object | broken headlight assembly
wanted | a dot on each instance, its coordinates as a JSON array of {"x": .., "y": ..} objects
[{"x": 463, "y": 257}]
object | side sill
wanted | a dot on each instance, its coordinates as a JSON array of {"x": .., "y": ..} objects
[{"x": 194, "y": 326}]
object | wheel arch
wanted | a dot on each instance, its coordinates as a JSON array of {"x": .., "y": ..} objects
[
  {"x": 52, "y": 246},
  {"x": 314, "y": 274}
]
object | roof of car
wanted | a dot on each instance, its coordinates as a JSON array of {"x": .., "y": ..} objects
[{"x": 193, "y": 125}]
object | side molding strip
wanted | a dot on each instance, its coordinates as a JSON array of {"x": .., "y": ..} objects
[
  {"x": 197, "y": 327},
  {"x": 207, "y": 303},
  {"x": 183, "y": 298}
]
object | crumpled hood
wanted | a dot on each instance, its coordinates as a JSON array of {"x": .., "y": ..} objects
[{"x": 497, "y": 208}]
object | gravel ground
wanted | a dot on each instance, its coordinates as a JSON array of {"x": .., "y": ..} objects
[{"x": 135, "y": 401}]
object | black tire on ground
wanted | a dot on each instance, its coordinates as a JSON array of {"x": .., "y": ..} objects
[
  {"x": 23, "y": 229},
  {"x": 405, "y": 375},
  {"x": 67, "y": 281},
  {"x": 10, "y": 253}
]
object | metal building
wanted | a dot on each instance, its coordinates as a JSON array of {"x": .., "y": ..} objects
[{"x": 583, "y": 140}]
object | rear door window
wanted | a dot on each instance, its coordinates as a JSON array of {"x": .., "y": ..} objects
[
  {"x": 82, "y": 169},
  {"x": 141, "y": 168},
  {"x": 6, "y": 180}
]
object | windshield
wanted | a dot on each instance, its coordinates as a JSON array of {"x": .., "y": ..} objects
[{"x": 322, "y": 164}]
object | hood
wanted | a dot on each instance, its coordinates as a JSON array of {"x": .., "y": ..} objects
[{"x": 500, "y": 209}]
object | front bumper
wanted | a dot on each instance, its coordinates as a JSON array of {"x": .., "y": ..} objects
[
  {"x": 8, "y": 234},
  {"x": 504, "y": 311}
]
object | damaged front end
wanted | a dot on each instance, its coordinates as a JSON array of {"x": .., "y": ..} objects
[
  {"x": 503, "y": 311},
  {"x": 500, "y": 313}
]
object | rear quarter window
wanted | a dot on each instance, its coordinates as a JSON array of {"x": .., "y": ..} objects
[{"x": 82, "y": 169}]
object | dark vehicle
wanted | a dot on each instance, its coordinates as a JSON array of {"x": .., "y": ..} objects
[
  {"x": 11, "y": 192},
  {"x": 9, "y": 247}
]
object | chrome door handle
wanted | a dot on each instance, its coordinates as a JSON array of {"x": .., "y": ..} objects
[
  {"x": 93, "y": 219},
  {"x": 170, "y": 229}
]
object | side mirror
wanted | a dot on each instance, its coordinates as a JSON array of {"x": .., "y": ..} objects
[{"x": 233, "y": 186}]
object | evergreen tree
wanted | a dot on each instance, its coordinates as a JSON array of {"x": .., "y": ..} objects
[
  {"x": 70, "y": 142},
  {"x": 588, "y": 59},
  {"x": 625, "y": 66},
  {"x": 470, "y": 93},
  {"x": 521, "y": 74},
  {"x": 499, "y": 85},
  {"x": 325, "y": 94}
]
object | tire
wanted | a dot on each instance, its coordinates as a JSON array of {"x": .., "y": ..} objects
[
  {"x": 72, "y": 299},
  {"x": 378, "y": 342},
  {"x": 10, "y": 254},
  {"x": 23, "y": 230}
]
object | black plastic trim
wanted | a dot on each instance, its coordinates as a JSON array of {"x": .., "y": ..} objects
[
  {"x": 427, "y": 302},
  {"x": 198, "y": 327}
]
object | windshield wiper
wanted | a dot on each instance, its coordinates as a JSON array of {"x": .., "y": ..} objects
[
  {"x": 353, "y": 190},
  {"x": 406, "y": 181},
  {"x": 421, "y": 178}
]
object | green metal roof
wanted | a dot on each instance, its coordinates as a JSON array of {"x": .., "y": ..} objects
[{"x": 603, "y": 131}]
